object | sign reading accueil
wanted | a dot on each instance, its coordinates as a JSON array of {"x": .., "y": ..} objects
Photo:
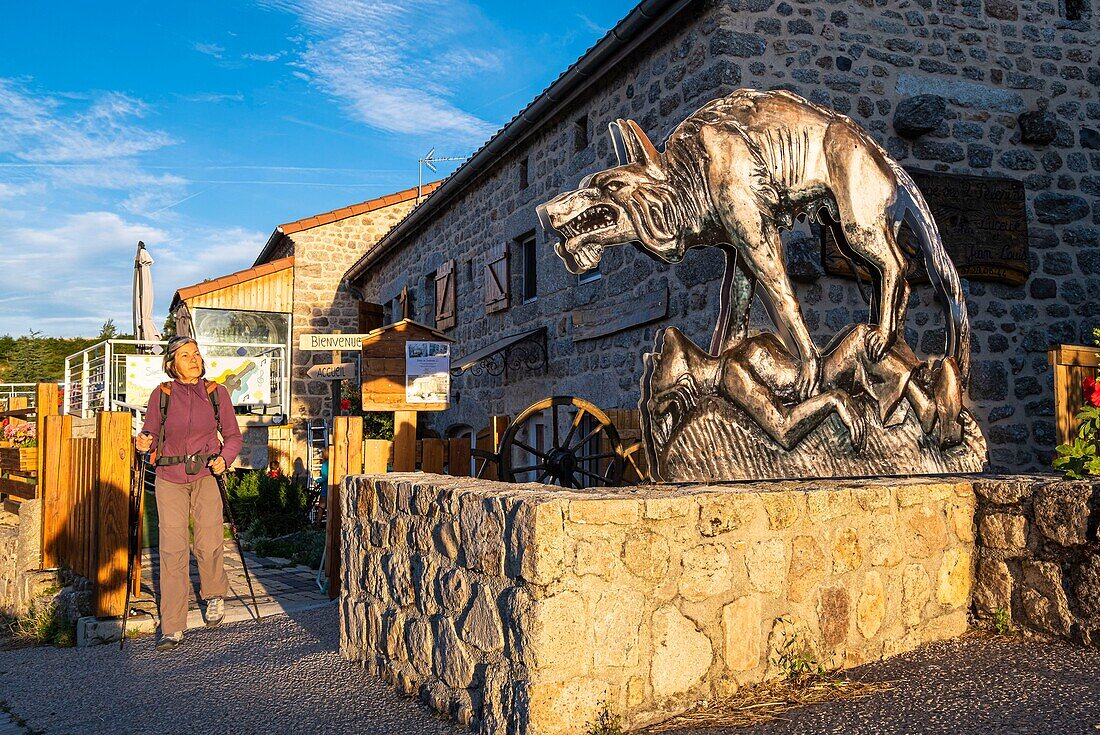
[{"x": 427, "y": 372}]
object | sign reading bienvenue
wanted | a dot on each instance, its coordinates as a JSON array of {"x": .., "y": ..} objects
[{"x": 330, "y": 341}]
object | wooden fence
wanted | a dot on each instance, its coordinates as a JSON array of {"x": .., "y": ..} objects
[
  {"x": 1071, "y": 364},
  {"x": 85, "y": 489}
]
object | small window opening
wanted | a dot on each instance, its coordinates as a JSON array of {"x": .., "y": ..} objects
[
  {"x": 580, "y": 132},
  {"x": 528, "y": 257},
  {"x": 524, "y": 175}
]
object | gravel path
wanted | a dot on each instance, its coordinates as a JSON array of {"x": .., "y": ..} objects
[
  {"x": 284, "y": 675},
  {"x": 970, "y": 686},
  {"x": 281, "y": 675}
]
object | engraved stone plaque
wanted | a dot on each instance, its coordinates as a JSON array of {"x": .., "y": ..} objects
[{"x": 982, "y": 221}]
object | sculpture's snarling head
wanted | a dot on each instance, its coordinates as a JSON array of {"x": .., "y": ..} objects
[{"x": 632, "y": 202}]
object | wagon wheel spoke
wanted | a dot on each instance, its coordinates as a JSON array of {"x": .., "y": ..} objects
[
  {"x": 593, "y": 475},
  {"x": 532, "y": 450},
  {"x": 544, "y": 475},
  {"x": 531, "y": 468},
  {"x": 590, "y": 435},
  {"x": 604, "y": 455},
  {"x": 554, "y": 410},
  {"x": 576, "y": 425}
]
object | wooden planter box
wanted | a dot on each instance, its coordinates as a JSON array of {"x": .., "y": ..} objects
[
  {"x": 19, "y": 459},
  {"x": 18, "y": 486},
  {"x": 1072, "y": 364}
]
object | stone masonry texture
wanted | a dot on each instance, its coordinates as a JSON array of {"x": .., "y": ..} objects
[
  {"x": 324, "y": 303},
  {"x": 515, "y": 608},
  {"x": 1039, "y": 555},
  {"x": 998, "y": 89}
]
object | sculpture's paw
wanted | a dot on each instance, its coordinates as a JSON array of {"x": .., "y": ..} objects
[
  {"x": 670, "y": 406},
  {"x": 808, "y": 378},
  {"x": 878, "y": 344},
  {"x": 856, "y": 422}
]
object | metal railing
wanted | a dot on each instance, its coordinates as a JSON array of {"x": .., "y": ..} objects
[
  {"x": 95, "y": 378},
  {"x": 17, "y": 390}
]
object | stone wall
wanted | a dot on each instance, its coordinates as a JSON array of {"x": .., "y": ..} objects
[
  {"x": 1039, "y": 555},
  {"x": 1016, "y": 93},
  {"x": 520, "y": 609},
  {"x": 20, "y": 557}
]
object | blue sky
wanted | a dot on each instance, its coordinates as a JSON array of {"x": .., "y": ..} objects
[{"x": 199, "y": 127}]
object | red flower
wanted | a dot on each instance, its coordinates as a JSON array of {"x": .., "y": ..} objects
[
  {"x": 345, "y": 404},
  {"x": 1092, "y": 391}
]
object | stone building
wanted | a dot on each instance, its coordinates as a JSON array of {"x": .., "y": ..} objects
[
  {"x": 1002, "y": 90},
  {"x": 307, "y": 258}
]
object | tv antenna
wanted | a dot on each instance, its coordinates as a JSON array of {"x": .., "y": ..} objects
[{"x": 429, "y": 160}]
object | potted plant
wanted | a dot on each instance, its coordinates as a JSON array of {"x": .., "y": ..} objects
[{"x": 21, "y": 451}]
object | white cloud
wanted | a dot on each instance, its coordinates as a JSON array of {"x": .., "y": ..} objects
[
  {"x": 66, "y": 278},
  {"x": 44, "y": 129},
  {"x": 264, "y": 57},
  {"x": 395, "y": 65},
  {"x": 210, "y": 49}
]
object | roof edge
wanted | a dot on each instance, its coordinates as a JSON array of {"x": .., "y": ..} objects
[{"x": 640, "y": 24}]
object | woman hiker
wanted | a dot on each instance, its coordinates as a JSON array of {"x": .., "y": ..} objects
[{"x": 187, "y": 452}]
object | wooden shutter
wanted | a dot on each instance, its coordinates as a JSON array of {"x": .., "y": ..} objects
[
  {"x": 496, "y": 279},
  {"x": 445, "y": 295}
]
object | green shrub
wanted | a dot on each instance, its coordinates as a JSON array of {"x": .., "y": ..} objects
[
  {"x": 304, "y": 547},
  {"x": 266, "y": 506},
  {"x": 607, "y": 723}
]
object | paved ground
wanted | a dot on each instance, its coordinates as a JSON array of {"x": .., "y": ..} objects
[
  {"x": 281, "y": 675},
  {"x": 963, "y": 687},
  {"x": 284, "y": 675},
  {"x": 280, "y": 587}
]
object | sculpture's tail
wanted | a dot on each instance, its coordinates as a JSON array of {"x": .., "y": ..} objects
[{"x": 912, "y": 208}]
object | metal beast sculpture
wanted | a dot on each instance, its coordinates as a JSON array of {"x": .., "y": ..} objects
[{"x": 733, "y": 175}]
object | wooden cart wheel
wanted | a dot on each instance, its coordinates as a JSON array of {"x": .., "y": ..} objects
[
  {"x": 485, "y": 463},
  {"x": 581, "y": 447}
]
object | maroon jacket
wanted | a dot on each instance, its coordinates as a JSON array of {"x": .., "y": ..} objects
[{"x": 191, "y": 428}]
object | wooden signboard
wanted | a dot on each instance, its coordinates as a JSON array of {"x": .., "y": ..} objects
[
  {"x": 982, "y": 221},
  {"x": 601, "y": 321},
  {"x": 383, "y": 366}
]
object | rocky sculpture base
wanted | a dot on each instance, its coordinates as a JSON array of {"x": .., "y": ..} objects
[
  {"x": 716, "y": 431},
  {"x": 522, "y": 608}
]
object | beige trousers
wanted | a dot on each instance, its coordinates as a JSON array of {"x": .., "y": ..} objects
[{"x": 176, "y": 503}]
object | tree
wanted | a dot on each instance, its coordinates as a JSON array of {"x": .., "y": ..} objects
[
  {"x": 27, "y": 360},
  {"x": 108, "y": 330}
]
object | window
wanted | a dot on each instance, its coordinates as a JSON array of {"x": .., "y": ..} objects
[
  {"x": 592, "y": 275},
  {"x": 528, "y": 262},
  {"x": 524, "y": 178},
  {"x": 580, "y": 133}
]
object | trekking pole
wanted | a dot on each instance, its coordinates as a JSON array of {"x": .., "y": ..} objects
[
  {"x": 236, "y": 538},
  {"x": 137, "y": 487}
]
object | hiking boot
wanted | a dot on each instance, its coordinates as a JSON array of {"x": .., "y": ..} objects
[
  {"x": 215, "y": 611},
  {"x": 168, "y": 642}
]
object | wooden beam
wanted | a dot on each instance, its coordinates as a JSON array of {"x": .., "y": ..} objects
[
  {"x": 376, "y": 456},
  {"x": 45, "y": 404},
  {"x": 116, "y": 457},
  {"x": 433, "y": 456},
  {"x": 404, "y": 441},
  {"x": 345, "y": 458},
  {"x": 458, "y": 457},
  {"x": 54, "y": 452}
]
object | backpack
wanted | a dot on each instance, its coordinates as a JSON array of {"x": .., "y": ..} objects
[{"x": 165, "y": 395}]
